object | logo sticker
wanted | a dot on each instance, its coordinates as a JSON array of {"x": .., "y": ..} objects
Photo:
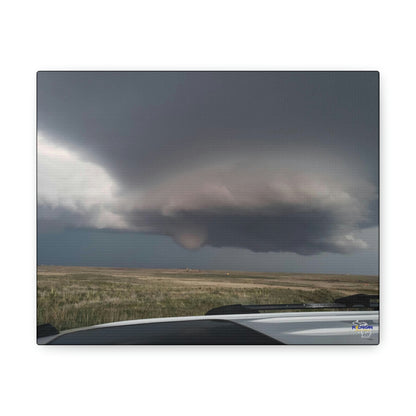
[{"x": 362, "y": 328}]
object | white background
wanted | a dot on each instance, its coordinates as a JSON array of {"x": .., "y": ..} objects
[{"x": 373, "y": 35}]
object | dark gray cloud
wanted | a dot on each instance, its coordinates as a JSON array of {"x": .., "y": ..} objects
[
  {"x": 306, "y": 212},
  {"x": 269, "y": 161}
]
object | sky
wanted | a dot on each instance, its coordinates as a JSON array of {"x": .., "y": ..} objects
[{"x": 261, "y": 171}]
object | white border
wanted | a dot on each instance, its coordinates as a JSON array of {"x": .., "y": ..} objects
[{"x": 297, "y": 35}]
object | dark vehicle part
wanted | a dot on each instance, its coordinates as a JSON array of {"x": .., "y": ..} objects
[
  {"x": 348, "y": 302},
  {"x": 46, "y": 330},
  {"x": 192, "y": 332}
]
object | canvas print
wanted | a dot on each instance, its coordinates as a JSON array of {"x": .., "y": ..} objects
[{"x": 207, "y": 207}]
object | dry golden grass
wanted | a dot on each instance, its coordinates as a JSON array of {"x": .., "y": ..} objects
[{"x": 70, "y": 297}]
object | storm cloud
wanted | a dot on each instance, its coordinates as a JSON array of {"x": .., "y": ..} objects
[{"x": 268, "y": 161}]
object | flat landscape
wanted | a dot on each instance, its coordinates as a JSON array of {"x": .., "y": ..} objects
[{"x": 71, "y": 297}]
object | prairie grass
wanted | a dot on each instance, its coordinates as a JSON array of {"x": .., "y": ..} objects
[{"x": 70, "y": 297}]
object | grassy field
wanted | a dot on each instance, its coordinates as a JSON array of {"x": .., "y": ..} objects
[{"x": 70, "y": 297}]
